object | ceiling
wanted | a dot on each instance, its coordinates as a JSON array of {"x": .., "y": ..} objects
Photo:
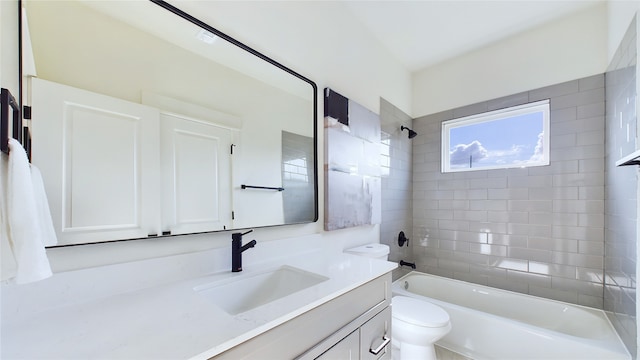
[{"x": 422, "y": 33}]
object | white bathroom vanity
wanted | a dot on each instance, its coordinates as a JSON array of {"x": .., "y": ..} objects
[{"x": 310, "y": 302}]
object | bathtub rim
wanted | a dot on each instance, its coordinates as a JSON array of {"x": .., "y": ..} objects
[{"x": 415, "y": 272}]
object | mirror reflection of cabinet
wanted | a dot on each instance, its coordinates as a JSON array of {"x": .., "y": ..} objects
[
  {"x": 128, "y": 170},
  {"x": 99, "y": 156},
  {"x": 137, "y": 47},
  {"x": 195, "y": 175}
]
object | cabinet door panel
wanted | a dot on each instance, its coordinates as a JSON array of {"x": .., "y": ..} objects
[
  {"x": 196, "y": 175},
  {"x": 89, "y": 137},
  {"x": 95, "y": 149},
  {"x": 372, "y": 335},
  {"x": 347, "y": 349}
]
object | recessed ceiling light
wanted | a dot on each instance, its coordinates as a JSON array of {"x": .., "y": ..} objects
[{"x": 206, "y": 36}]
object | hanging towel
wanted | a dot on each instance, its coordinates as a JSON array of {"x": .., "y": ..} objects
[
  {"x": 7, "y": 260},
  {"x": 29, "y": 230},
  {"x": 42, "y": 207}
]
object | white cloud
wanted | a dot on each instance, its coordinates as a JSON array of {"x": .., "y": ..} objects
[
  {"x": 514, "y": 152},
  {"x": 538, "y": 153},
  {"x": 461, "y": 153}
]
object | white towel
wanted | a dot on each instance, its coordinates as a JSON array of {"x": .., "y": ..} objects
[
  {"x": 28, "y": 228},
  {"x": 7, "y": 260},
  {"x": 42, "y": 207}
]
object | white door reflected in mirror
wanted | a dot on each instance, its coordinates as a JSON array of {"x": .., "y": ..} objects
[{"x": 144, "y": 49}]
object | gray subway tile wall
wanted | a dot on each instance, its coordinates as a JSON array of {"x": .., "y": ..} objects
[
  {"x": 621, "y": 190},
  {"x": 537, "y": 230},
  {"x": 397, "y": 184}
]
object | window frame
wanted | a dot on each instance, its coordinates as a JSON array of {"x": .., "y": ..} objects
[{"x": 513, "y": 111}]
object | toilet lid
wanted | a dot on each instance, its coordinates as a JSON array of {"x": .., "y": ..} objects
[{"x": 418, "y": 312}]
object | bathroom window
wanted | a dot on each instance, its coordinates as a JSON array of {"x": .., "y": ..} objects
[
  {"x": 507, "y": 138},
  {"x": 296, "y": 150},
  {"x": 296, "y": 170}
]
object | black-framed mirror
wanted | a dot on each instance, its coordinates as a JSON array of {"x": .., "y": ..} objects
[{"x": 147, "y": 121}]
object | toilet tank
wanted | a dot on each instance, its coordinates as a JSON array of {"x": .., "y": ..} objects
[{"x": 377, "y": 251}]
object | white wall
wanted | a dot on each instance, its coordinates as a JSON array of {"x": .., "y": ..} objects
[
  {"x": 310, "y": 37},
  {"x": 619, "y": 15},
  {"x": 566, "y": 49},
  {"x": 8, "y": 46}
]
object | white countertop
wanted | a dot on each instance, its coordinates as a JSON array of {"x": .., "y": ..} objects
[{"x": 170, "y": 320}]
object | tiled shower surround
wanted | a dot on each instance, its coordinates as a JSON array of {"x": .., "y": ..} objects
[
  {"x": 537, "y": 230},
  {"x": 396, "y": 181},
  {"x": 621, "y": 190}
]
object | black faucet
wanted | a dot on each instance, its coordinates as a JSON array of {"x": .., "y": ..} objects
[{"x": 237, "y": 249}]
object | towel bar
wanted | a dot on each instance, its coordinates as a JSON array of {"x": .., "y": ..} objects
[
  {"x": 261, "y": 187},
  {"x": 9, "y": 103}
]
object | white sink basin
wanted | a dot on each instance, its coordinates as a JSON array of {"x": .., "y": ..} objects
[{"x": 242, "y": 294}]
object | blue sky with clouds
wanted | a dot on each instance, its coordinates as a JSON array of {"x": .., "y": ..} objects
[{"x": 514, "y": 140}]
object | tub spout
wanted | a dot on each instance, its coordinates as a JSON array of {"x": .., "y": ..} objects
[{"x": 411, "y": 265}]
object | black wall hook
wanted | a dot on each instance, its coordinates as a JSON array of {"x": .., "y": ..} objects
[{"x": 402, "y": 239}]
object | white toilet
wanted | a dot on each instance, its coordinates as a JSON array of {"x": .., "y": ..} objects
[{"x": 416, "y": 324}]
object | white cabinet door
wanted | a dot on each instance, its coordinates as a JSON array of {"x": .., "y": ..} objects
[
  {"x": 99, "y": 158},
  {"x": 373, "y": 337},
  {"x": 196, "y": 174}
]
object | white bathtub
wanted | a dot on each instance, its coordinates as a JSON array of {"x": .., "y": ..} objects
[{"x": 489, "y": 323}]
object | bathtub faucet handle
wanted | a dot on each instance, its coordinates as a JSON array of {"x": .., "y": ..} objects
[{"x": 402, "y": 239}]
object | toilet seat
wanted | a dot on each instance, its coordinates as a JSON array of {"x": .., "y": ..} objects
[{"x": 418, "y": 312}]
